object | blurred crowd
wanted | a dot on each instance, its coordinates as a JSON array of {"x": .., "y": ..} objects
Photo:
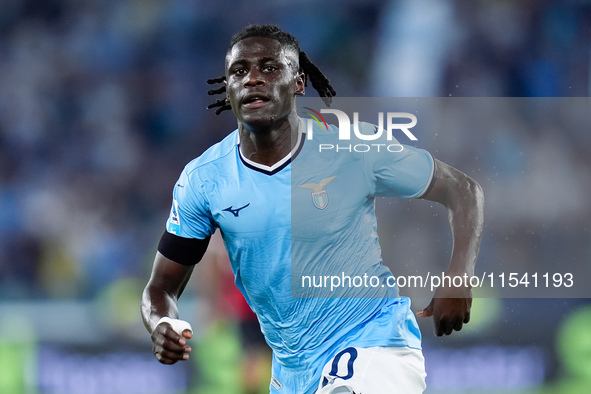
[{"x": 102, "y": 104}]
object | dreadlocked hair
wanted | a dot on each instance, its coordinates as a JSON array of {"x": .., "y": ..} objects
[{"x": 311, "y": 72}]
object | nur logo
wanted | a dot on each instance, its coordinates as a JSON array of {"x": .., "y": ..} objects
[
  {"x": 347, "y": 128},
  {"x": 319, "y": 194},
  {"x": 345, "y": 124}
]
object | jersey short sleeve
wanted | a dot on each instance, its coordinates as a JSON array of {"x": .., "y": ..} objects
[
  {"x": 399, "y": 170},
  {"x": 190, "y": 216}
]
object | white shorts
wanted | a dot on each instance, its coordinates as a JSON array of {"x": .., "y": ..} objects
[{"x": 374, "y": 370}]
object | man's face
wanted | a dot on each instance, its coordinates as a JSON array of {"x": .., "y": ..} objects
[{"x": 262, "y": 81}]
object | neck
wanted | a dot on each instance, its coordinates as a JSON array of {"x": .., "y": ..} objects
[{"x": 268, "y": 145}]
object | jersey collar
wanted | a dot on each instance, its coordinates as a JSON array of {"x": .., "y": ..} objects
[{"x": 281, "y": 164}]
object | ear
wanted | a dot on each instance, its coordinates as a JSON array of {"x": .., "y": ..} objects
[{"x": 300, "y": 84}]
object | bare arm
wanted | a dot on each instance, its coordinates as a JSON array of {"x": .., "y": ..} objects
[
  {"x": 159, "y": 299},
  {"x": 464, "y": 199},
  {"x": 166, "y": 284}
]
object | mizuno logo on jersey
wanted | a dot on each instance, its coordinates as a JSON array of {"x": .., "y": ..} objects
[
  {"x": 319, "y": 194},
  {"x": 236, "y": 211}
]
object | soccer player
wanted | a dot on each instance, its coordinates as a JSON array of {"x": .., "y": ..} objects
[{"x": 365, "y": 340}]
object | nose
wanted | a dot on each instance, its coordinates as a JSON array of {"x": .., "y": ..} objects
[{"x": 254, "y": 78}]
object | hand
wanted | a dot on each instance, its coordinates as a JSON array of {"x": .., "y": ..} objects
[
  {"x": 450, "y": 308},
  {"x": 168, "y": 346}
]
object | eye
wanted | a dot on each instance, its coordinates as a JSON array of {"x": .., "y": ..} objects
[
  {"x": 239, "y": 71},
  {"x": 269, "y": 69}
]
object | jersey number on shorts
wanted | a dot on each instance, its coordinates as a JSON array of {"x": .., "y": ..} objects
[{"x": 335, "y": 365}]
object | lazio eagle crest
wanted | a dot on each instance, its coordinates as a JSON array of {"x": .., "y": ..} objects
[{"x": 319, "y": 194}]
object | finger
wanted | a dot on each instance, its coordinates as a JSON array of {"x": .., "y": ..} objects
[
  {"x": 170, "y": 350},
  {"x": 187, "y": 334},
  {"x": 427, "y": 312},
  {"x": 439, "y": 327},
  {"x": 173, "y": 355},
  {"x": 174, "y": 347},
  {"x": 467, "y": 317},
  {"x": 458, "y": 325},
  {"x": 164, "y": 360},
  {"x": 168, "y": 338},
  {"x": 179, "y": 346},
  {"x": 162, "y": 345},
  {"x": 449, "y": 329},
  {"x": 168, "y": 331},
  {"x": 439, "y": 331},
  {"x": 443, "y": 327},
  {"x": 170, "y": 358}
]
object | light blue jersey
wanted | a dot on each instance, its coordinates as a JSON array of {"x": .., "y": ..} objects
[{"x": 310, "y": 215}]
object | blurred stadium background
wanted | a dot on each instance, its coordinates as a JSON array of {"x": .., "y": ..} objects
[{"x": 103, "y": 102}]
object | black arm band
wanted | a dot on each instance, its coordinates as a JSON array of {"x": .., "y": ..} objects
[
  {"x": 433, "y": 179},
  {"x": 185, "y": 251}
]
